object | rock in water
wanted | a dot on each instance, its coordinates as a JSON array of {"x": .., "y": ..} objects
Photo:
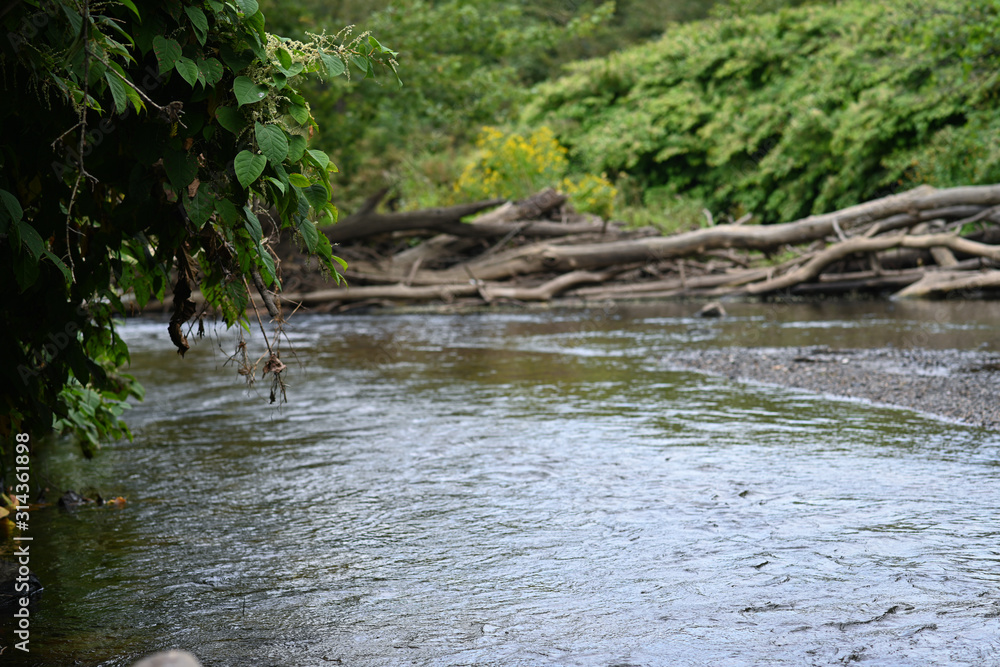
[
  {"x": 169, "y": 659},
  {"x": 713, "y": 309}
]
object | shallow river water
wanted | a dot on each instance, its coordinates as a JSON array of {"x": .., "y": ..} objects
[{"x": 529, "y": 488}]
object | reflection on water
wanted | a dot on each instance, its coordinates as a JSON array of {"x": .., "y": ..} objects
[{"x": 531, "y": 489}]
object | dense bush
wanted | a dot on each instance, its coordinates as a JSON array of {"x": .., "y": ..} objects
[
  {"x": 140, "y": 138},
  {"x": 477, "y": 62},
  {"x": 793, "y": 112}
]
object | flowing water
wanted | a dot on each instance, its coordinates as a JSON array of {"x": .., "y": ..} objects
[{"x": 529, "y": 488}]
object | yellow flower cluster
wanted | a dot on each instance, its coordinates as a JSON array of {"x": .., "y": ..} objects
[
  {"x": 515, "y": 166},
  {"x": 591, "y": 194},
  {"x": 512, "y": 165}
]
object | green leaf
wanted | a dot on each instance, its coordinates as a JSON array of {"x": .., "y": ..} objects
[
  {"x": 272, "y": 141},
  {"x": 131, "y": 5},
  {"x": 332, "y": 213},
  {"x": 279, "y": 80},
  {"x": 296, "y": 147},
  {"x": 31, "y": 239},
  {"x": 211, "y": 71},
  {"x": 361, "y": 63},
  {"x": 284, "y": 57},
  {"x": 278, "y": 184},
  {"x": 256, "y": 22},
  {"x": 319, "y": 158},
  {"x": 309, "y": 234},
  {"x": 167, "y": 52},
  {"x": 252, "y": 224},
  {"x": 248, "y": 7},
  {"x": 199, "y": 22},
  {"x": 248, "y": 92},
  {"x": 187, "y": 69},
  {"x": 316, "y": 196},
  {"x": 228, "y": 212},
  {"x": 12, "y": 206},
  {"x": 230, "y": 118},
  {"x": 334, "y": 65},
  {"x": 299, "y": 113},
  {"x": 248, "y": 167},
  {"x": 133, "y": 97},
  {"x": 280, "y": 172},
  {"x": 201, "y": 207},
  {"x": 60, "y": 265},
  {"x": 298, "y": 180},
  {"x": 117, "y": 89},
  {"x": 267, "y": 273},
  {"x": 294, "y": 70},
  {"x": 181, "y": 168}
]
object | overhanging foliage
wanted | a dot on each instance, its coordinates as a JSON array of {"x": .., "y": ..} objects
[{"x": 139, "y": 136}]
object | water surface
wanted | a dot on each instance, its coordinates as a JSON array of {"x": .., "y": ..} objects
[{"x": 530, "y": 488}]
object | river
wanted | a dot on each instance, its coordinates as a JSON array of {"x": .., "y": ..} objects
[{"x": 528, "y": 488}]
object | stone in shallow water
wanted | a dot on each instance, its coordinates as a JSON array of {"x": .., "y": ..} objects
[
  {"x": 169, "y": 659},
  {"x": 713, "y": 309}
]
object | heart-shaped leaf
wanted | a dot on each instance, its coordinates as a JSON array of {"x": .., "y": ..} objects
[
  {"x": 248, "y": 92},
  {"x": 334, "y": 65},
  {"x": 211, "y": 71},
  {"x": 167, "y": 52},
  {"x": 248, "y": 167},
  {"x": 272, "y": 141},
  {"x": 230, "y": 118},
  {"x": 187, "y": 69},
  {"x": 201, "y": 207}
]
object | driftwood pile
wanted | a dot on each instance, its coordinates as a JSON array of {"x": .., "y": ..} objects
[{"x": 539, "y": 249}]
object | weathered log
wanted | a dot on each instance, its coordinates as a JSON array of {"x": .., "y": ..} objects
[
  {"x": 544, "y": 292},
  {"x": 542, "y": 257},
  {"x": 733, "y": 279},
  {"x": 444, "y": 245},
  {"x": 841, "y": 250},
  {"x": 368, "y": 223},
  {"x": 943, "y": 283}
]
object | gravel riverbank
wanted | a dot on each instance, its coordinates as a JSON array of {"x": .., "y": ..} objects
[{"x": 956, "y": 384}]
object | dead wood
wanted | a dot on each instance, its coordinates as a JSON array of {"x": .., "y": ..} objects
[
  {"x": 943, "y": 283},
  {"x": 368, "y": 222},
  {"x": 542, "y": 257},
  {"x": 840, "y": 250},
  {"x": 490, "y": 292},
  {"x": 538, "y": 249}
]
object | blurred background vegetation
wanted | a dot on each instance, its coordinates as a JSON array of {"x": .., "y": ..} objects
[{"x": 655, "y": 111}]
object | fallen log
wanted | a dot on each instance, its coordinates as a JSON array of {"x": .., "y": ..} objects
[
  {"x": 547, "y": 257},
  {"x": 544, "y": 292},
  {"x": 944, "y": 283},
  {"x": 538, "y": 249},
  {"x": 369, "y": 223},
  {"x": 838, "y": 251}
]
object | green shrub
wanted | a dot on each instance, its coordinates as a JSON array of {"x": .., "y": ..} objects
[{"x": 790, "y": 113}]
